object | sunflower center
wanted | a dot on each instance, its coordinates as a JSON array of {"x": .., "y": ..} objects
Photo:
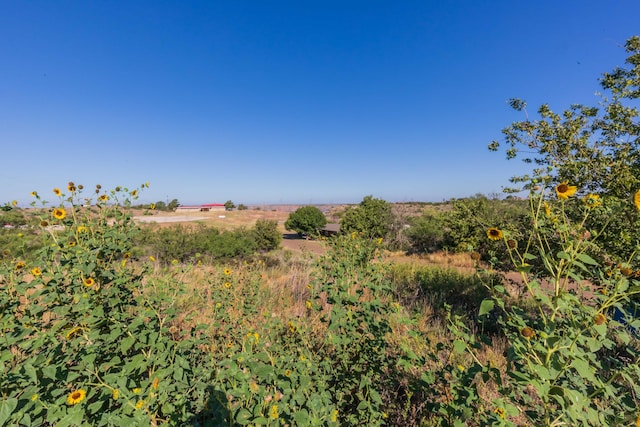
[
  {"x": 563, "y": 188},
  {"x": 75, "y": 395}
]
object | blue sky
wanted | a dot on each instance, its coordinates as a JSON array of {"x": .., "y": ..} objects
[{"x": 287, "y": 101}]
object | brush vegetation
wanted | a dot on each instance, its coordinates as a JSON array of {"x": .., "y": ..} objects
[{"x": 528, "y": 317}]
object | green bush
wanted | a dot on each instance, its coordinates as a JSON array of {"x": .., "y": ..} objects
[
  {"x": 307, "y": 220},
  {"x": 372, "y": 218},
  {"x": 266, "y": 235},
  {"x": 426, "y": 233}
]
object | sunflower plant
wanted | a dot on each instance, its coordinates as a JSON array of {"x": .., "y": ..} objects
[
  {"x": 573, "y": 354},
  {"x": 81, "y": 342}
]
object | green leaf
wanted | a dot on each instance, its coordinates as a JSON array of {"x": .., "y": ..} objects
[
  {"x": 584, "y": 369},
  {"x": 49, "y": 372},
  {"x": 486, "y": 306},
  {"x": 73, "y": 418},
  {"x": 459, "y": 346},
  {"x": 6, "y": 409},
  {"x": 587, "y": 259},
  {"x": 31, "y": 373},
  {"x": 301, "y": 418},
  {"x": 243, "y": 417}
]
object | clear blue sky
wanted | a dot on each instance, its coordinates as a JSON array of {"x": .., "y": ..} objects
[{"x": 287, "y": 101}]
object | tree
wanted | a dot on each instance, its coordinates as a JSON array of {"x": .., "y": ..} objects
[
  {"x": 372, "y": 218},
  {"x": 306, "y": 220},
  {"x": 228, "y": 205},
  {"x": 173, "y": 205},
  {"x": 160, "y": 205},
  {"x": 242, "y": 207},
  {"x": 595, "y": 149}
]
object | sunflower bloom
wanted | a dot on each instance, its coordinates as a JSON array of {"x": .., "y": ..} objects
[
  {"x": 89, "y": 282},
  {"x": 34, "y": 194},
  {"x": 82, "y": 229},
  {"x": 227, "y": 271},
  {"x": 500, "y": 412},
  {"x": 528, "y": 332},
  {"x": 57, "y": 192},
  {"x": 76, "y": 397},
  {"x": 494, "y": 233},
  {"x": 636, "y": 199},
  {"x": 59, "y": 213},
  {"x": 273, "y": 413},
  {"x": 103, "y": 198},
  {"x": 599, "y": 319},
  {"x": 139, "y": 404},
  {"x": 20, "y": 265},
  {"x": 36, "y": 271},
  {"x": 592, "y": 200},
  {"x": 564, "y": 190}
]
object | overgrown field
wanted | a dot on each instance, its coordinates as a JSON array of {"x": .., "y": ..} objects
[{"x": 106, "y": 323}]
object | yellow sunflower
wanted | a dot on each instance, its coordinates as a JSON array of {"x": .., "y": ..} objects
[
  {"x": 59, "y": 213},
  {"x": 564, "y": 190},
  {"x": 636, "y": 201},
  {"x": 494, "y": 233},
  {"x": 103, "y": 198},
  {"x": 34, "y": 194},
  {"x": 592, "y": 200},
  {"x": 227, "y": 271},
  {"x": 76, "y": 397},
  {"x": 57, "y": 191},
  {"x": 36, "y": 271},
  {"x": 273, "y": 412},
  {"x": 20, "y": 265},
  {"x": 82, "y": 229},
  {"x": 89, "y": 281}
]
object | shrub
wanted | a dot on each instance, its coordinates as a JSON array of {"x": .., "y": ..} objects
[
  {"x": 371, "y": 218},
  {"x": 266, "y": 235},
  {"x": 306, "y": 220},
  {"x": 426, "y": 233}
]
